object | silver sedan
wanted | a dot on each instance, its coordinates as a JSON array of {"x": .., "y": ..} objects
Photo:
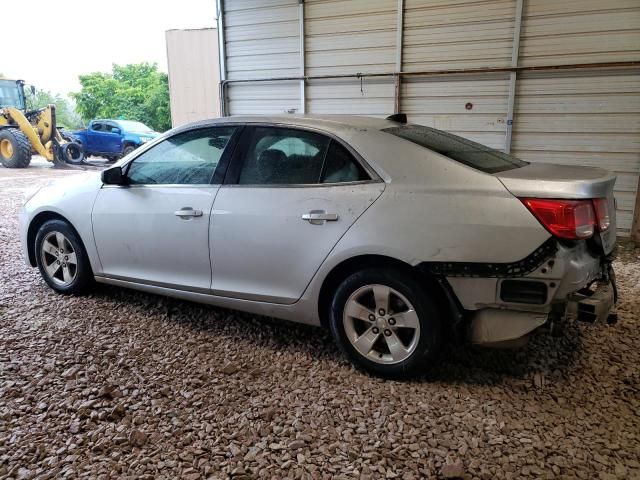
[{"x": 397, "y": 237}]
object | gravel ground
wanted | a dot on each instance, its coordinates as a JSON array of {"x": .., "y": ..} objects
[{"x": 123, "y": 384}]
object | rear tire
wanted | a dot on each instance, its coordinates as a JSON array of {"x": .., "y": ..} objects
[
  {"x": 397, "y": 339},
  {"x": 15, "y": 148},
  {"x": 62, "y": 258}
]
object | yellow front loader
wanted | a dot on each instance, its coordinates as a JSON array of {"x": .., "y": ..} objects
[{"x": 25, "y": 132}]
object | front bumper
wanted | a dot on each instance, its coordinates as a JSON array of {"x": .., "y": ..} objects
[{"x": 23, "y": 223}]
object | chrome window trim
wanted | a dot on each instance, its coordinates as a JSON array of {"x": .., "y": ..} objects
[
  {"x": 167, "y": 185},
  {"x": 301, "y": 185}
]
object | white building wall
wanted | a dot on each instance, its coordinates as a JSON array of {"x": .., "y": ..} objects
[{"x": 194, "y": 75}]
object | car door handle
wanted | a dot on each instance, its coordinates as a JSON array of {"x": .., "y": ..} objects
[
  {"x": 318, "y": 217},
  {"x": 186, "y": 212}
]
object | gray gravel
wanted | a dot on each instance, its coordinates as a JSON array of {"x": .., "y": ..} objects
[{"x": 123, "y": 384}]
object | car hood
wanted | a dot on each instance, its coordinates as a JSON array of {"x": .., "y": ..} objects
[{"x": 558, "y": 181}]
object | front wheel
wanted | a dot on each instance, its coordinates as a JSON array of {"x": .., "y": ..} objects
[
  {"x": 386, "y": 323},
  {"x": 62, "y": 259}
]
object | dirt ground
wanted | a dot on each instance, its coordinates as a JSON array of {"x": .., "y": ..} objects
[{"x": 120, "y": 384}]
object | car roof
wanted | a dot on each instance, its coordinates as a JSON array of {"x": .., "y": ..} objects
[{"x": 338, "y": 124}]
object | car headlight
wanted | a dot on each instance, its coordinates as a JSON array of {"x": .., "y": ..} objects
[
  {"x": 145, "y": 139},
  {"x": 29, "y": 194}
]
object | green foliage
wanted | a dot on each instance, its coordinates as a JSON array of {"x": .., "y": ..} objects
[
  {"x": 132, "y": 92},
  {"x": 66, "y": 115}
]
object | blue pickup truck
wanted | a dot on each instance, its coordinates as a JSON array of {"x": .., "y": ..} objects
[{"x": 113, "y": 139}]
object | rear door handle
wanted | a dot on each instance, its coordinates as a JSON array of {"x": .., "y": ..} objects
[
  {"x": 318, "y": 217},
  {"x": 187, "y": 212}
]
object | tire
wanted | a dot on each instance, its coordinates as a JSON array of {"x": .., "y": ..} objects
[
  {"x": 72, "y": 153},
  {"x": 15, "y": 148},
  {"x": 62, "y": 276},
  {"x": 127, "y": 150},
  {"x": 420, "y": 343}
]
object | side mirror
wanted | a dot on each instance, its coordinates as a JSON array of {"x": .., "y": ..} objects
[
  {"x": 117, "y": 131},
  {"x": 113, "y": 176}
]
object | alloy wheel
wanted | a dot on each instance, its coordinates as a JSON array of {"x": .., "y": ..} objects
[
  {"x": 381, "y": 324},
  {"x": 59, "y": 259}
]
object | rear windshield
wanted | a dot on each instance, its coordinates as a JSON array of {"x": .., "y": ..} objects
[{"x": 460, "y": 149}]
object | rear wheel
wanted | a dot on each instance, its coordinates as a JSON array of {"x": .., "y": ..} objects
[
  {"x": 62, "y": 259},
  {"x": 15, "y": 148},
  {"x": 385, "y": 323}
]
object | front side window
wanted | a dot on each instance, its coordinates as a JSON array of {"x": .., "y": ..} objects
[
  {"x": 287, "y": 156},
  {"x": 188, "y": 158},
  {"x": 460, "y": 149},
  {"x": 97, "y": 127}
]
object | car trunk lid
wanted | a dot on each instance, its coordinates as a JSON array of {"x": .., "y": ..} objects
[{"x": 564, "y": 182}]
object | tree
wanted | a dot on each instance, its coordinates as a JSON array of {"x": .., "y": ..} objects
[
  {"x": 133, "y": 92},
  {"x": 66, "y": 115}
]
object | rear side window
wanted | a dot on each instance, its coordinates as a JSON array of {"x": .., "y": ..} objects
[
  {"x": 460, "y": 149},
  {"x": 340, "y": 166},
  {"x": 288, "y": 156},
  {"x": 283, "y": 156}
]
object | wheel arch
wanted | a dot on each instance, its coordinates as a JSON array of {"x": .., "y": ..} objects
[
  {"x": 35, "y": 225},
  {"x": 351, "y": 265}
]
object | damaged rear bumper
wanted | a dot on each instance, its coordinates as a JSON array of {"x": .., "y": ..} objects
[
  {"x": 494, "y": 327},
  {"x": 503, "y": 306}
]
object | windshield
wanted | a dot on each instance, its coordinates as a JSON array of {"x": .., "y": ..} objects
[
  {"x": 130, "y": 126},
  {"x": 460, "y": 149},
  {"x": 11, "y": 94}
]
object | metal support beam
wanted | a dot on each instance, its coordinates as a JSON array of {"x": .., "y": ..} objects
[
  {"x": 515, "y": 52},
  {"x": 399, "y": 35},
  {"x": 303, "y": 93},
  {"x": 635, "y": 225},
  {"x": 431, "y": 73},
  {"x": 222, "y": 59}
]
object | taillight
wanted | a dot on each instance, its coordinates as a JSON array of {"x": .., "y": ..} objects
[
  {"x": 568, "y": 219},
  {"x": 601, "y": 206}
]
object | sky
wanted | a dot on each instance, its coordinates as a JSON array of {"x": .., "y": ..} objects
[{"x": 49, "y": 43}]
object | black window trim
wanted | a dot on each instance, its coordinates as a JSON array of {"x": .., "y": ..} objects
[
  {"x": 233, "y": 172},
  {"x": 218, "y": 174}
]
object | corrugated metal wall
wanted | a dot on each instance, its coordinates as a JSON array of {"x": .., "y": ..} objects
[
  {"x": 573, "y": 116},
  {"x": 348, "y": 37},
  {"x": 192, "y": 57},
  {"x": 262, "y": 40}
]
